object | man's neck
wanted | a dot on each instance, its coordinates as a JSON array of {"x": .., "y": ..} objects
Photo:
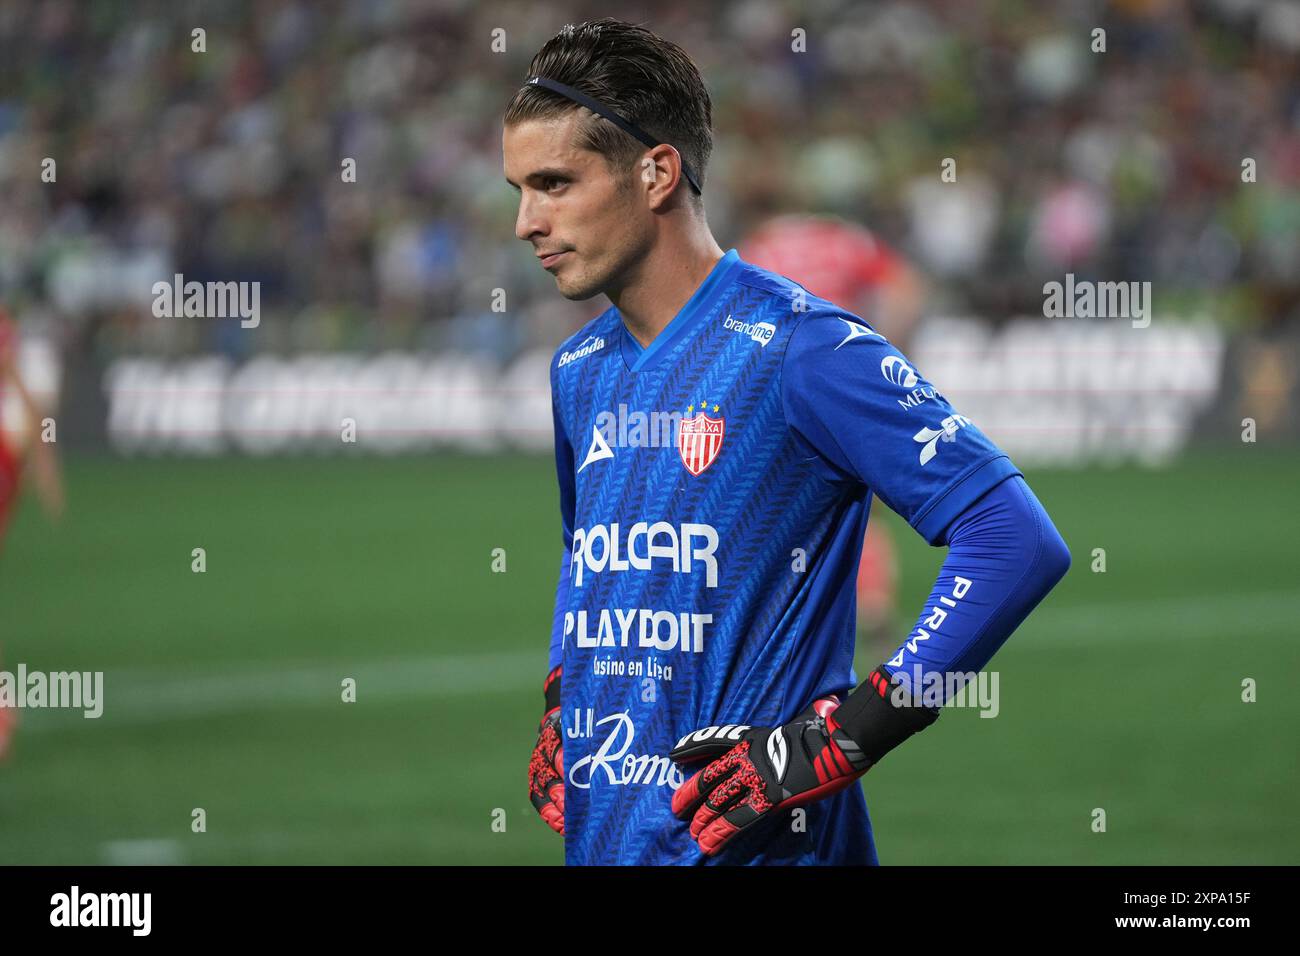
[{"x": 664, "y": 282}]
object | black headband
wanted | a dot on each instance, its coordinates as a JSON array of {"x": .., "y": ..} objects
[{"x": 596, "y": 106}]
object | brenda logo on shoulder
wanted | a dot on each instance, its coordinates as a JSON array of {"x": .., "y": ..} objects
[
  {"x": 79, "y": 690},
  {"x": 208, "y": 300},
  {"x": 592, "y": 343},
  {"x": 102, "y": 909}
]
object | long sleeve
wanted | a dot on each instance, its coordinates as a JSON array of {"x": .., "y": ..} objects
[
  {"x": 1004, "y": 556},
  {"x": 864, "y": 413}
]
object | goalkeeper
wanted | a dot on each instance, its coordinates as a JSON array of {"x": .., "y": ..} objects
[{"x": 700, "y": 684}]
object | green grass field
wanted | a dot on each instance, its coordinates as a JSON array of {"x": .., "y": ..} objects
[{"x": 223, "y": 688}]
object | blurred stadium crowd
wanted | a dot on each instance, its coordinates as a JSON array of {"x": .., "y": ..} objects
[{"x": 225, "y": 164}]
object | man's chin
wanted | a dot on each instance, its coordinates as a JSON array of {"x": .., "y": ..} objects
[{"x": 575, "y": 293}]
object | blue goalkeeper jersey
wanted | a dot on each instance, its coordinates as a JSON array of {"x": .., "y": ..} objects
[{"x": 714, "y": 492}]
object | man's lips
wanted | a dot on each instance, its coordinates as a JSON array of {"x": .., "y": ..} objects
[{"x": 549, "y": 260}]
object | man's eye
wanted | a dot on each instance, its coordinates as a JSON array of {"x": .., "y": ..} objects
[{"x": 550, "y": 182}]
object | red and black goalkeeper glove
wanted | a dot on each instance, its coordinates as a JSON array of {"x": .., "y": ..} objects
[
  {"x": 546, "y": 768},
  {"x": 758, "y": 771}
]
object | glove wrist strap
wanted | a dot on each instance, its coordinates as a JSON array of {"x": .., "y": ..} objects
[
  {"x": 881, "y": 714},
  {"x": 551, "y": 689}
]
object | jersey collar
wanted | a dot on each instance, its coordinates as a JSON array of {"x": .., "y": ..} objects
[{"x": 638, "y": 358}]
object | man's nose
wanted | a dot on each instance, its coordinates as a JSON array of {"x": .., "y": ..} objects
[{"x": 528, "y": 222}]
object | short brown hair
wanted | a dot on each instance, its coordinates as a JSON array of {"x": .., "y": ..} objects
[{"x": 643, "y": 77}]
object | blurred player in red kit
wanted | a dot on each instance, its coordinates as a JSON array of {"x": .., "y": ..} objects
[
  {"x": 45, "y": 471},
  {"x": 846, "y": 263}
]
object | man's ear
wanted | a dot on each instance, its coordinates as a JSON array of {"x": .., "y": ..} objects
[{"x": 659, "y": 174}]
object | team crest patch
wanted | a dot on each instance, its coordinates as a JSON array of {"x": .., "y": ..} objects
[{"x": 699, "y": 438}]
